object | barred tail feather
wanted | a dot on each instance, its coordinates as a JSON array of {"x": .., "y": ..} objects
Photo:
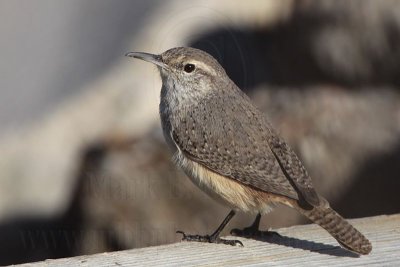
[{"x": 348, "y": 236}]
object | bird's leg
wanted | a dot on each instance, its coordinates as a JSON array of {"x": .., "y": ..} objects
[
  {"x": 214, "y": 237},
  {"x": 253, "y": 230}
]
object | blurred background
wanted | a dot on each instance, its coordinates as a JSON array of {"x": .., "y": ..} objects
[{"x": 83, "y": 164}]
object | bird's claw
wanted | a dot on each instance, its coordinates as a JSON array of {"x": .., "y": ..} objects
[
  {"x": 208, "y": 239},
  {"x": 252, "y": 232}
]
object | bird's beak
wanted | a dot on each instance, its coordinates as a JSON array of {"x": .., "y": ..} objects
[{"x": 155, "y": 59}]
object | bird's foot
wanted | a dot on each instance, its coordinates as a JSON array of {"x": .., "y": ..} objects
[
  {"x": 209, "y": 239},
  {"x": 253, "y": 232}
]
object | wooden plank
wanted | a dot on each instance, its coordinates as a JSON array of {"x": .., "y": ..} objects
[{"x": 305, "y": 245}]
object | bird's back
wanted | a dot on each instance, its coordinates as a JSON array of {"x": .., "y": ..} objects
[{"x": 226, "y": 134}]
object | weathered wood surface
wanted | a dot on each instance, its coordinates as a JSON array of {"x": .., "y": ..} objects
[{"x": 306, "y": 245}]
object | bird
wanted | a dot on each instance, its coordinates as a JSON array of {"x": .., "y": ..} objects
[{"x": 229, "y": 149}]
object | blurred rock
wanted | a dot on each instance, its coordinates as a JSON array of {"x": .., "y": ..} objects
[{"x": 351, "y": 43}]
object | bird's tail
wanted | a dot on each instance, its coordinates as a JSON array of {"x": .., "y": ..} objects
[{"x": 348, "y": 236}]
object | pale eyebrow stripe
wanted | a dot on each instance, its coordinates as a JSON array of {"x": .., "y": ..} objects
[{"x": 203, "y": 66}]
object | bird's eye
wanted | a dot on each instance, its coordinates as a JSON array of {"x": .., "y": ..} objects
[{"x": 189, "y": 68}]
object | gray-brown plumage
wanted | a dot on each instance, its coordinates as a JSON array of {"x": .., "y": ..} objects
[{"x": 228, "y": 148}]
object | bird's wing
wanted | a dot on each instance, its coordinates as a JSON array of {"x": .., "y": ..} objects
[
  {"x": 293, "y": 169},
  {"x": 236, "y": 141}
]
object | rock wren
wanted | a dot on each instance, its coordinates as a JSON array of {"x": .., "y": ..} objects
[{"x": 228, "y": 148}]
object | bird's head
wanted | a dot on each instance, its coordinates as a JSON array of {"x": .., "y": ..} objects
[{"x": 185, "y": 68}]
